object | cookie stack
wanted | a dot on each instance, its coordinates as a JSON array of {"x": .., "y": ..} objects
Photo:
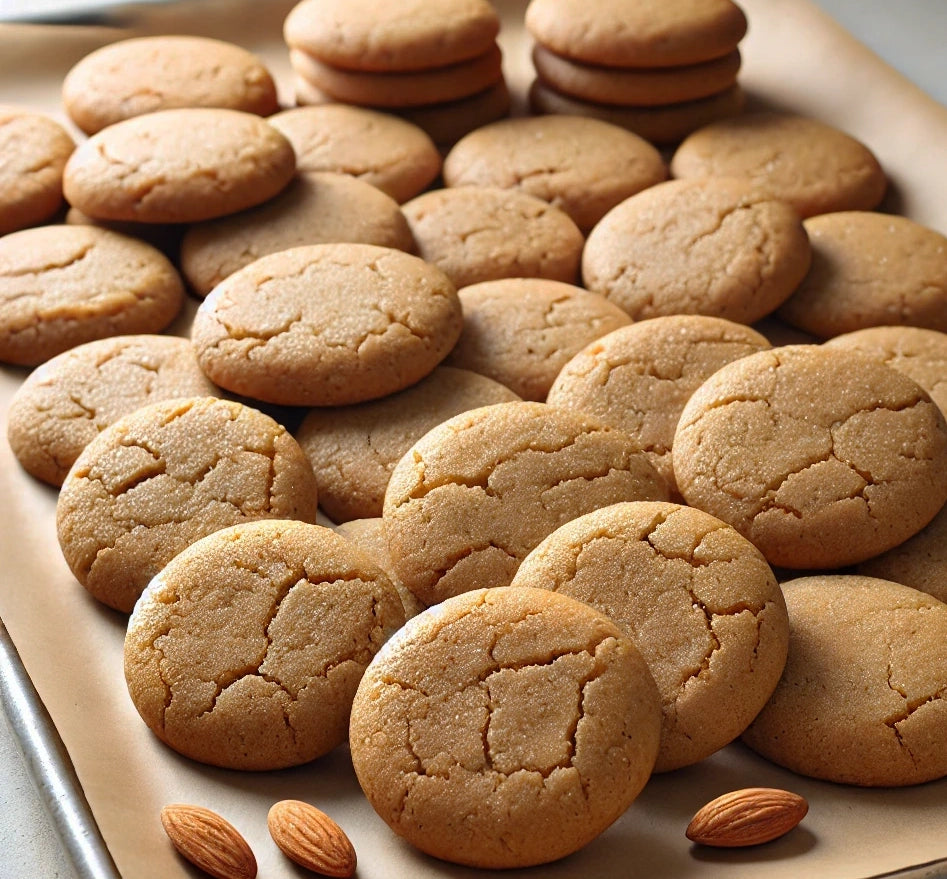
[
  {"x": 434, "y": 62},
  {"x": 660, "y": 68}
]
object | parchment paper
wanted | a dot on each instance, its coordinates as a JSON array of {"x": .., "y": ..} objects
[{"x": 796, "y": 58}]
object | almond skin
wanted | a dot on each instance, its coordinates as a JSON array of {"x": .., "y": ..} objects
[
  {"x": 311, "y": 838},
  {"x": 208, "y": 841},
  {"x": 749, "y": 816}
]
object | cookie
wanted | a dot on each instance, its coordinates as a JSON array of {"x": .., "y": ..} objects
[
  {"x": 157, "y": 480},
  {"x": 315, "y": 208},
  {"x": 353, "y": 449},
  {"x": 698, "y": 600},
  {"x": 639, "y": 378},
  {"x": 61, "y": 286},
  {"x": 582, "y": 166},
  {"x": 715, "y": 247},
  {"x": 870, "y": 269},
  {"x": 522, "y": 331},
  {"x": 652, "y": 33},
  {"x": 65, "y": 403},
  {"x": 816, "y": 469},
  {"x": 178, "y": 166},
  {"x": 327, "y": 325},
  {"x": 475, "y": 234},
  {"x": 438, "y": 744},
  {"x": 34, "y": 149},
  {"x": 815, "y": 167},
  {"x": 245, "y": 652},
  {"x": 144, "y": 74},
  {"x": 474, "y": 495},
  {"x": 861, "y": 699}
]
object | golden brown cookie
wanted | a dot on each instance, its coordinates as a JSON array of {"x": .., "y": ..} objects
[
  {"x": 166, "y": 475},
  {"x": 698, "y": 600},
  {"x": 862, "y": 698},
  {"x": 438, "y": 744},
  {"x": 246, "y": 650}
]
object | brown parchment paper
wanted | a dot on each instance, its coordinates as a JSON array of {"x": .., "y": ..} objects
[{"x": 796, "y": 58}]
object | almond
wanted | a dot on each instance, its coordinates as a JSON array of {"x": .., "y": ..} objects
[
  {"x": 749, "y": 816},
  {"x": 208, "y": 841},
  {"x": 311, "y": 838}
]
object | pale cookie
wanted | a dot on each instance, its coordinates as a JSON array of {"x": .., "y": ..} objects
[
  {"x": 392, "y": 154},
  {"x": 178, "y": 166},
  {"x": 246, "y": 650},
  {"x": 474, "y": 495},
  {"x": 353, "y": 449},
  {"x": 522, "y": 331},
  {"x": 813, "y": 166},
  {"x": 714, "y": 247},
  {"x": 315, "y": 208},
  {"x": 166, "y": 475},
  {"x": 475, "y": 233},
  {"x": 646, "y": 33},
  {"x": 327, "y": 325},
  {"x": 145, "y": 74},
  {"x": 583, "y": 166},
  {"x": 439, "y": 745},
  {"x": 639, "y": 378},
  {"x": 65, "y": 403},
  {"x": 870, "y": 269},
  {"x": 862, "y": 698},
  {"x": 699, "y": 602},
  {"x": 33, "y": 153},
  {"x": 61, "y": 286},
  {"x": 821, "y": 457}
]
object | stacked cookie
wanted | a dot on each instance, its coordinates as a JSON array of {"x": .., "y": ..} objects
[
  {"x": 435, "y": 63},
  {"x": 660, "y": 68}
]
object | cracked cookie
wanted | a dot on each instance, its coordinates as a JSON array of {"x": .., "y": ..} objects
[
  {"x": 246, "y": 650},
  {"x": 327, "y": 325},
  {"x": 820, "y": 457},
  {"x": 698, "y": 600},
  {"x": 157, "y": 480},
  {"x": 863, "y": 698},
  {"x": 474, "y": 495},
  {"x": 504, "y": 728}
]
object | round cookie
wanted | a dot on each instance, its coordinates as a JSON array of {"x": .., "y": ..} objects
[
  {"x": 315, "y": 208},
  {"x": 698, "y": 600},
  {"x": 327, "y": 325},
  {"x": 861, "y": 699},
  {"x": 34, "y": 149},
  {"x": 178, "y": 166},
  {"x": 65, "y": 403},
  {"x": 144, "y": 74},
  {"x": 816, "y": 468},
  {"x": 166, "y": 475},
  {"x": 521, "y": 331},
  {"x": 438, "y": 744},
  {"x": 712, "y": 246},
  {"x": 647, "y": 33},
  {"x": 475, "y": 233},
  {"x": 870, "y": 269},
  {"x": 813, "y": 166},
  {"x": 582, "y": 166},
  {"x": 474, "y": 495},
  {"x": 61, "y": 286},
  {"x": 639, "y": 378},
  {"x": 245, "y": 652}
]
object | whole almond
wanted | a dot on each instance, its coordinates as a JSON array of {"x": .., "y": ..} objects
[
  {"x": 208, "y": 841},
  {"x": 311, "y": 838},
  {"x": 749, "y": 816}
]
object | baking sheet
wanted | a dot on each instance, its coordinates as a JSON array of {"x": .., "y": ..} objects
[{"x": 796, "y": 58}]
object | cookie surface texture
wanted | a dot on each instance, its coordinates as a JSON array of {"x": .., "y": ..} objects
[
  {"x": 246, "y": 651},
  {"x": 437, "y": 734}
]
